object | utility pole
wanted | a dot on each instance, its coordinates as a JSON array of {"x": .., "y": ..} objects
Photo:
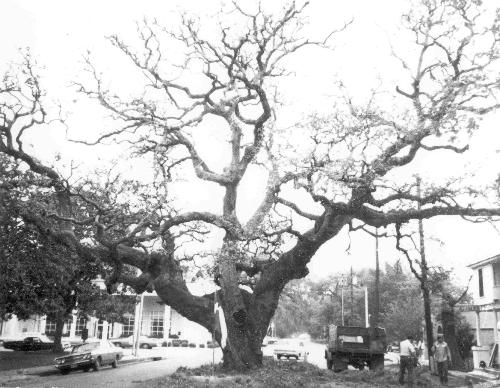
[
  {"x": 342, "y": 304},
  {"x": 424, "y": 283},
  {"x": 351, "y": 319},
  {"x": 367, "y": 317},
  {"x": 376, "y": 309}
]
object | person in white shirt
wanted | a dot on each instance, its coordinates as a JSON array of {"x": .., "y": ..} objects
[
  {"x": 407, "y": 360},
  {"x": 442, "y": 355}
]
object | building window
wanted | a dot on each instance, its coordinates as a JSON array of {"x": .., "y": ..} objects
[
  {"x": 81, "y": 323},
  {"x": 50, "y": 327},
  {"x": 496, "y": 274},
  {"x": 481, "y": 288},
  {"x": 128, "y": 326},
  {"x": 157, "y": 324}
]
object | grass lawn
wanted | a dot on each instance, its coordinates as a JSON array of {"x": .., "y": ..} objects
[
  {"x": 20, "y": 360},
  {"x": 276, "y": 374}
]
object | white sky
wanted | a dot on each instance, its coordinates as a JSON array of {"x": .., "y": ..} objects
[{"x": 60, "y": 32}]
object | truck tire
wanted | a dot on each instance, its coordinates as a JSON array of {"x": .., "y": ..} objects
[
  {"x": 329, "y": 363},
  {"x": 377, "y": 362},
  {"x": 339, "y": 365}
]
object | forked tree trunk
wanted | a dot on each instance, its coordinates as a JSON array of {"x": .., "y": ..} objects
[
  {"x": 58, "y": 334},
  {"x": 247, "y": 316},
  {"x": 243, "y": 348}
]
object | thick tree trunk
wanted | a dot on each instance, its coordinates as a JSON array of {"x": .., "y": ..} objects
[
  {"x": 246, "y": 319},
  {"x": 448, "y": 319},
  {"x": 243, "y": 349},
  {"x": 58, "y": 335}
]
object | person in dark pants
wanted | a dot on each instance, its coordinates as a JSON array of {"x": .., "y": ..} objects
[
  {"x": 406, "y": 360},
  {"x": 442, "y": 355}
]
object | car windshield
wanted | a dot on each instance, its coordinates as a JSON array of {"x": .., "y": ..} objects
[
  {"x": 290, "y": 343},
  {"x": 85, "y": 347}
]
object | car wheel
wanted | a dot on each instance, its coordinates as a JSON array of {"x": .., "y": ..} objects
[
  {"x": 114, "y": 364},
  {"x": 65, "y": 371},
  {"x": 279, "y": 356},
  {"x": 97, "y": 364},
  {"x": 297, "y": 358},
  {"x": 86, "y": 369},
  {"x": 145, "y": 346}
]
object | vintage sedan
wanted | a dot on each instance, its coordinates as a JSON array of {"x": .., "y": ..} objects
[
  {"x": 144, "y": 342},
  {"x": 290, "y": 348},
  {"x": 89, "y": 355},
  {"x": 39, "y": 342}
]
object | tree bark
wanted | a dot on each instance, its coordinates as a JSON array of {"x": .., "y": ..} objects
[
  {"x": 243, "y": 349},
  {"x": 58, "y": 334}
]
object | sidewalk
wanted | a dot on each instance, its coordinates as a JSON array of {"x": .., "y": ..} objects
[{"x": 12, "y": 375}]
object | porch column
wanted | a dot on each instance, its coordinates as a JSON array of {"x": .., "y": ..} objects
[
  {"x": 495, "y": 328},
  {"x": 478, "y": 328},
  {"x": 166, "y": 322},
  {"x": 43, "y": 324},
  {"x": 105, "y": 330},
  {"x": 72, "y": 328}
]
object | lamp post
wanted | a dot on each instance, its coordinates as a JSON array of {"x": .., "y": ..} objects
[
  {"x": 367, "y": 318},
  {"x": 137, "y": 332}
]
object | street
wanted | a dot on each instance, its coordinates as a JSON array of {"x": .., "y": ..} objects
[{"x": 130, "y": 375}]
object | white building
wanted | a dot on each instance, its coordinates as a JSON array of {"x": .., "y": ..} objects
[
  {"x": 158, "y": 320},
  {"x": 484, "y": 312}
]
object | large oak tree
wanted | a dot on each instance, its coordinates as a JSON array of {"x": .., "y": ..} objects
[{"x": 190, "y": 80}]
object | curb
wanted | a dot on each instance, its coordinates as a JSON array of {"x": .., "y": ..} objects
[{"x": 21, "y": 374}]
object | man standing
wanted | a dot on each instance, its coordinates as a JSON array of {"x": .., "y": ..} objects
[
  {"x": 407, "y": 360},
  {"x": 442, "y": 355}
]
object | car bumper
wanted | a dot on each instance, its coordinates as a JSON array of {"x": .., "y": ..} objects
[
  {"x": 287, "y": 353},
  {"x": 75, "y": 364}
]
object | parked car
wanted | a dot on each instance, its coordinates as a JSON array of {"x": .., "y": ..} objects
[
  {"x": 144, "y": 342},
  {"x": 40, "y": 342},
  {"x": 290, "y": 348},
  {"x": 89, "y": 355}
]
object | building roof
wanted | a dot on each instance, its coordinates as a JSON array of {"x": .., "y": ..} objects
[{"x": 482, "y": 263}]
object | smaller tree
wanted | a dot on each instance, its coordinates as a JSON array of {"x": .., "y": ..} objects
[{"x": 40, "y": 277}]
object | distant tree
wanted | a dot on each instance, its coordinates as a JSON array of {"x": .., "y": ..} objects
[
  {"x": 455, "y": 330},
  {"x": 403, "y": 316},
  {"x": 464, "y": 336},
  {"x": 295, "y": 309}
]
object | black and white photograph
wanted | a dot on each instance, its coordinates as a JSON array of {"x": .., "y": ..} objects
[{"x": 254, "y": 193}]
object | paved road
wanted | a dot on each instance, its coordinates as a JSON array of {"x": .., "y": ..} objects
[
  {"x": 317, "y": 355},
  {"x": 127, "y": 376}
]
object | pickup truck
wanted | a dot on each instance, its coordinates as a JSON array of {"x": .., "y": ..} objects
[
  {"x": 30, "y": 343},
  {"x": 356, "y": 346}
]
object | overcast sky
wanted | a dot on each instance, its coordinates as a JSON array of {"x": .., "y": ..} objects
[{"x": 60, "y": 32}]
